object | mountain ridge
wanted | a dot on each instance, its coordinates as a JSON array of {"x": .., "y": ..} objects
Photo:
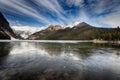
[
  {"x": 81, "y": 31},
  {"x": 54, "y": 27}
]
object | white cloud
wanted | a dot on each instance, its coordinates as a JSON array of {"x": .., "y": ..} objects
[
  {"x": 22, "y": 7},
  {"x": 28, "y": 28},
  {"x": 74, "y": 2},
  {"x": 53, "y": 6},
  {"x": 50, "y": 4},
  {"x": 71, "y": 25},
  {"x": 112, "y": 19},
  {"x": 102, "y": 6},
  {"x": 108, "y": 11},
  {"x": 25, "y": 31},
  {"x": 83, "y": 16}
]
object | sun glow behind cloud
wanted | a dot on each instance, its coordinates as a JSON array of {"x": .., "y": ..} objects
[{"x": 43, "y": 12}]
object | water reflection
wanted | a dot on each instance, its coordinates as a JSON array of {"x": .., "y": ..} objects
[
  {"x": 77, "y": 51},
  {"x": 61, "y": 61},
  {"x": 4, "y": 48}
]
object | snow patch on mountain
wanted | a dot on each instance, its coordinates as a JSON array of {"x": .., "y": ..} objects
[
  {"x": 25, "y": 31},
  {"x": 72, "y": 25}
]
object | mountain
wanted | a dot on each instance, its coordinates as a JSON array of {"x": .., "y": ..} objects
[
  {"x": 3, "y": 35},
  {"x": 80, "y": 31},
  {"x": 83, "y": 24},
  {"x": 53, "y": 27},
  {"x": 5, "y": 30},
  {"x": 25, "y": 31},
  {"x": 50, "y": 28},
  {"x": 71, "y": 25}
]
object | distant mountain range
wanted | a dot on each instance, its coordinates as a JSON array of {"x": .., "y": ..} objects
[
  {"x": 80, "y": 31},
  {"x": 76, "y": 31}
]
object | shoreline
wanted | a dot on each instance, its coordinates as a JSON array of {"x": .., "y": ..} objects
[
  {"x": 105, "y": 41},
  {"x": 63, "y": 41},
  {"x": 48, "y": 41}
]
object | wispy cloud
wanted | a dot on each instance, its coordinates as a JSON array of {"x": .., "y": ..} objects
[
  {"x": 53, "y": 6},
  {"x": 102, "y": 6},
  {"x": 74, "y": 2},
  {"x": 112, "y": 19},
  {"x": 108, "y": 11},
  {"x": 66, "y": 11},
  {"x": 22, "y": 7}
]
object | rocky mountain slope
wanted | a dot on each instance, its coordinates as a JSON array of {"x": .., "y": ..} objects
[
  {"x": 81, "y": 31},
  {"x": 53, "y": 28},
  {"x": 5, "y": 29},
  {"x": 3, "y": 35},
  {"x": 50, "y": 28}
]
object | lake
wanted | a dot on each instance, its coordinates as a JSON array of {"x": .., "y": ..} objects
[{"x": 59, "y": 60}]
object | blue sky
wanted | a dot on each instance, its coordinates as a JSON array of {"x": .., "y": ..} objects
[{"x": 101, "y": 13}]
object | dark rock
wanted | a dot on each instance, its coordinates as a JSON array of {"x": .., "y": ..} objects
[
  {"x": 5, "y": 28},
  {"x": 4, "y": 36}
]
